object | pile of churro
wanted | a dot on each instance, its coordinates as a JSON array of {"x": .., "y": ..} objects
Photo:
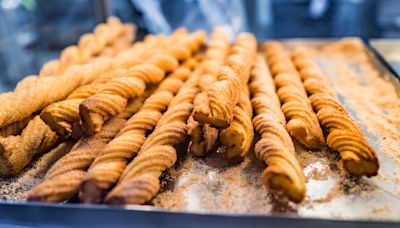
[{"x": 128, "y": 105}]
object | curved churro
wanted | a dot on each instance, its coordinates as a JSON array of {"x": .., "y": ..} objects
[
  {"x": 302, "y": 122},
  {"x": 224, "y": 94},
  {"x": 112, "y": 98},
  {"x": 283, "y": 173},
  {"x": 203, "y": 136},
  {"x": 240, "y": 133},
  {"x": 17, "y": 151},
  {"x": 111, "y": 162},
  {"x": 140, "y": 180},
  {"x": 62, "y": 180},
  {"x": 344, "y": 135}
]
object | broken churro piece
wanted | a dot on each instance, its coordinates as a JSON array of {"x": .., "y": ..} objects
[
  {"x": 204, "y": 136},
  {"x": 240, "y": 133},
  {"x": 224, "y": 94},
  {"x": 17, "y": 151}
]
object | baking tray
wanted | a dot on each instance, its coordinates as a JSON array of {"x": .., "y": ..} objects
[
  {"x": 208, "y": 192},
  {"x": 389, "y": 50}
]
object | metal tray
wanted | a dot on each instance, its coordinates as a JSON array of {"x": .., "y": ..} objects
[
  {"x": 389, "y": 50},
  {"x": 208, "y": 192}
]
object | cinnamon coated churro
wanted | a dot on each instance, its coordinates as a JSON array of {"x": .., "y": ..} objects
[
  {"x": 302, "y": 122},
  {"x": 344, "y": 135}
]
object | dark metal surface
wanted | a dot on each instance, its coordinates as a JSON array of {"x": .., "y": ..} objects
[
  {"x": 40, "y": 214},
  {"x": 388, "y": 52}
]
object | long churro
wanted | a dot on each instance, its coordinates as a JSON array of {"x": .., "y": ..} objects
[
  {"x": 112, "y": 97},
  {"x": 283, "y": 173},
  {"x": 62, "y": 180},
  {"x": 204, "y": 136},
  {"x": 18, "y": 105},
  {"x": 90, "y": 45},
  {"x": 62, "y": 116},
  {"x": 302, "y": 122},
  {"x": 111, "y": 162},
  {"x": 344, "y": 135},
  {"x": 140, "y": 180}
]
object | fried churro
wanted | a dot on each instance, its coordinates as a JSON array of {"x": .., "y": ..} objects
[
  {"x": 223, "y": 95},
  {"x": 62, "y": 180},
  {"x": 283, "y": 173},
  {"x": 204, "y": 136},
  {"x": 111, "y": 162},
  {"x": 343, "y": 134},
  {"x": 302, "y": 122},
  {"x": 111, "y": 99},
  {"x": 140, "y": 180}
]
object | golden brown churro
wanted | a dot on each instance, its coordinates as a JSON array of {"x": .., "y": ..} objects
[
  {"x": 302, "y": 122},
  {"x": 121, "y": 43},
  {"x": 140, "y": 180},
  {"x": 240, "y": 133},
  {"x": 17, "y": 151},
  {"x": 283, "y": 173},
  {"x": 344, "y": 135},
  {"x": 62, "y": 180},
  {"x": 62, "y": 116},
  {"x": 90, "y": 45},
  {"x": 224, "y": 94},
  {"x": 111, "y": 162},
  {"x": 36, "y": 137},
  {"x": 53, "y": 67},
  {"x": 15, "y": 128},
  {"x": 112, "y": 97},
  {"x": 203, "y": 136},
  {"x": 18, "y": 105}
]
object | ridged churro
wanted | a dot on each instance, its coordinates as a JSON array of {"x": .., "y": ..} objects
[
  {"x": 140, "y": 180},
  {"x": 302, "y": 122},
  {"x": 283, "y": 173},
  {"x": 62, "y": 180},
  {"x": 17, "y": 151},
  {"x": 240, "y": 133},
  {"x": 112, "y": 97},
  {"x": 62, "y": 116},
  {"x": 90, "y": 45},
  {"x": 223, "y": 95},
  {"x": 204, "y": 136},
  {"x": 344, "y": 135},
  {"x": 111, "y": 162}
]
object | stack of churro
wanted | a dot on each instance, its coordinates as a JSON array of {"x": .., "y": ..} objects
[{"x": 127, "y": 107}]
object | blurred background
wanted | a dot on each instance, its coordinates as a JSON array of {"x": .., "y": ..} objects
[{"x": 34, "y": 31}]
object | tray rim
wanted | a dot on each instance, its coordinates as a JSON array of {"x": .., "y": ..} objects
[{"x": 142, "y": 215}]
